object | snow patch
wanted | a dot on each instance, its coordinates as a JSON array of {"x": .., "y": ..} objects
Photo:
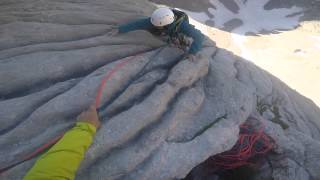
[{"x": 254, "y": 17}]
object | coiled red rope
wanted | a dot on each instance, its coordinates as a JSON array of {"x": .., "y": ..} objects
[{"x": 253, "y": 143}]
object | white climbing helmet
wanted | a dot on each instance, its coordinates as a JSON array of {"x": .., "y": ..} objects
[{"x": 162, "y": 17}]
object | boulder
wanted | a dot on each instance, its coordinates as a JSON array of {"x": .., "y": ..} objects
[{"x": 162, "y": 114}]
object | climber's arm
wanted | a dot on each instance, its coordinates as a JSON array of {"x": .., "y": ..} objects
[
  {"x": 195, "y": 34},
  {"x": 64, "y": 158},
  {"x": 140, "y": 24}
]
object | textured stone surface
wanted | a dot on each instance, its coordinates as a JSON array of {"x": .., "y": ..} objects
[
  {"x": 265, "y": 32},
  {"x": 162, "y": 114}
]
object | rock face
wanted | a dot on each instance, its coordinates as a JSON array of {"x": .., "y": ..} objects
[
  {"x": 265, "y": 32},
  {"x": 162, "y": 114}
]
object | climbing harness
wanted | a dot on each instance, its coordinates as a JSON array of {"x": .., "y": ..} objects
[
  {"x": 52, "y": 142},
  {"x": 176, "y": 38},
  {"x": 182, "y": 42}
]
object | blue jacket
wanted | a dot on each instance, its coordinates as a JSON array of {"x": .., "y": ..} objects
[{"x": 185, "y": 28}]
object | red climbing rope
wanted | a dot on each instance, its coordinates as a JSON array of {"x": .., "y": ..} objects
[
  {"x": 52, "y": 142},
  {"x": 253, "y": 143},
  {"x": 33, "y": 154},
  {"x": 107, "y": 77}
]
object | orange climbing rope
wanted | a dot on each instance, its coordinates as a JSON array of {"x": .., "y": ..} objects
[
  {"x": 52, "y": 142},
  {"x": 107, "y": 77},
  {"x": 33, "y": 154}
]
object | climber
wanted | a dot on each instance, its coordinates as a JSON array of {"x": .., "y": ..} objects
[
  {"x": 172, "y": 23},
  {"x": 63, "y": 159}
]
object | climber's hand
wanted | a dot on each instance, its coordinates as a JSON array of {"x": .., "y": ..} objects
[
  {"x": 90, "y": 116},
  {"x": 191, "y": 57},
  {"x": 113, "y": 32}
]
